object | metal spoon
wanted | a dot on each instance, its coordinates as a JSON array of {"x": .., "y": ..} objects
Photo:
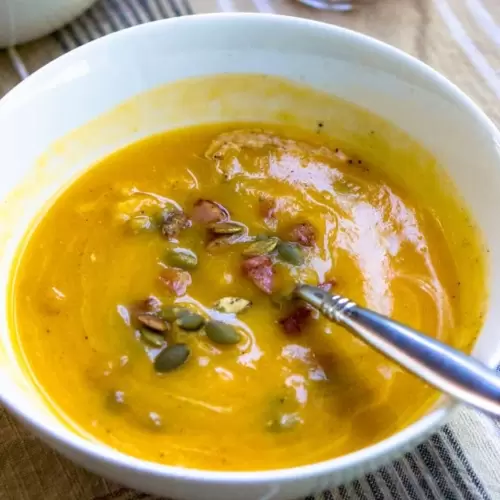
[{"x": 445, "y": 368}]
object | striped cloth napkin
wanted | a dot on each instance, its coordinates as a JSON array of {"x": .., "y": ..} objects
[{"x": 460, "y": 462}]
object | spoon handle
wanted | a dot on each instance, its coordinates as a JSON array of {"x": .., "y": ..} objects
[{"x": 447, "y": 369}]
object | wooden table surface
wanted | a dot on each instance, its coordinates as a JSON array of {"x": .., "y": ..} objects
[{"x": 459, "y": 38}]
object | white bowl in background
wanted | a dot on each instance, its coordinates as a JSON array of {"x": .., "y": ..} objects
[
  {"x": 22, "y": 21},
  {"x": 89, "y": 81}
]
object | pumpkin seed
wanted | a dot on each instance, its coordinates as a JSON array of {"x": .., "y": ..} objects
[
  {"x": 226, "y": 228},
  {"x": 140, "y": 223},
  {"x": 182, "y": 258},
  {"x": 261, "y": 247},
  {"x": 153, "y": 322},
  {"x": 171, "y": 358},
  {"x": 191, "y": 322},
  {"x": 232, "y": 305},
  {"x": 290, "y": 253},
  {"x": 221, "y": 333},
  {"x": 172, "y": 313},
  {"x": 153, "y": 338},
  {"x": 220, "y": 244},
  {"x": 160, "y": 216},
  {"x": 262, "y": 237}
]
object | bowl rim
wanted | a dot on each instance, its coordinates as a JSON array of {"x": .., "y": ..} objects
[{"x": 414, "y": 432}]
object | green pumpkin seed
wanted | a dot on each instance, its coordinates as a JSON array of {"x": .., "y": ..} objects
[
  {"x": 191, "y": 322},
  {"x": 262, "y": 237},
  {"x": 171, "y": 358},
  {"x": 221, "y": 333},
  {"x": 163, "y": 214},
  {"x": 140, "y": 223},
  {"x": 159, "y": 217},
  {"x": 153, "y": 322},
  {"x": 291, "y": 253},
  {"x": 232, "y": 305},
  {"x": 172, "y": 313},
  {"x": 152, "y": 338},
  {"x": 182, "y": 258},
  {"x": 261, "y": 247},
  {"x": 226, "y": 228},
  {"x": 222, "y": 243}
]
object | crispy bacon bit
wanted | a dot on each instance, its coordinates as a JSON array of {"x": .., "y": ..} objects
[
  {"x": 267, "y": 207},
  {"x": 260, "y": 271},
  {"x": 176, "y": 280},
  {"x": 303, "y": 234},
  {"x": 297, "y": 320},
  {"x": 327, "y": 285},
  {"x": 207, "y": 212},
  {"x": 151, "y": 305},
  {"x": 173, "y": 223}
]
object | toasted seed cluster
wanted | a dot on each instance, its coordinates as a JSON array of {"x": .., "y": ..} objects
[
  {"x": 157, "y": 324},
  {"x": 169, "y": 327}
]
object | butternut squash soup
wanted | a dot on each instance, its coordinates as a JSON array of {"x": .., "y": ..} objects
[{"x": 152, "y": 301}]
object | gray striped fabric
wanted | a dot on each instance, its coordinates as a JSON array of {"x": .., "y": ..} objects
[{"x": 437, "y": 469}]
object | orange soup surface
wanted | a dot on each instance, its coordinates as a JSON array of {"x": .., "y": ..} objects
[{"x": 152, "y": 301}]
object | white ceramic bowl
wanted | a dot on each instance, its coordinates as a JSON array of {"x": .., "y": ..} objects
[
  {"x": 21, "y": 21},
  {"x": 91, "y": 80}
]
